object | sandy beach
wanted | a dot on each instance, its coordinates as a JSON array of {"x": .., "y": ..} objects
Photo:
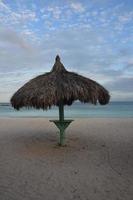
[{"x": 96, "y": 164}]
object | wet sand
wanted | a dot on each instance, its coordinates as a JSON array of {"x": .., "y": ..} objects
[{"x": 96, "y": 164}]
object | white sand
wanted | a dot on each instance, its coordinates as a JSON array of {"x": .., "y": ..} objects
[{"x": 97, "y": 163}]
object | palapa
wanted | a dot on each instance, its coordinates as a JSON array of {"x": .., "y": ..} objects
[{"x": 59, "y": 87}]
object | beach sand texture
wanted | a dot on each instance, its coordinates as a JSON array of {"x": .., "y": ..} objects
[{"x": 96, "y": 164}]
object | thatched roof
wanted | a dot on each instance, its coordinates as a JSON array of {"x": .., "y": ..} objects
[{"x": 49, "y": 88}]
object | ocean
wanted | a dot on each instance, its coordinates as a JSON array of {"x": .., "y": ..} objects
[{"x": 77, "y": 110}]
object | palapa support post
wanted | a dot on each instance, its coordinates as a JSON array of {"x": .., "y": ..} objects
[
  {"x": 61, "y": 120},
  {"x": 61, "y": 111},
  {"x": 61, "y": 123}
]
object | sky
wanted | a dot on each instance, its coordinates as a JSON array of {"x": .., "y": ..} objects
[{"x": 93, "y": 38}]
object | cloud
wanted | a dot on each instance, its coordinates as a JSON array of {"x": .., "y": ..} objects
[
  {"x": 92, "y": 40},
  {"x": 85, "y": 53},
  {"x": 4, "y": 7},
  {"x": 17, "y": 53},
  {"x": 121, "y": 96},
  {"x": 56, "y": 11},
  {"x": 10, "y": 17},
  {"x": 10, "y": 37},
  {"x": 123, "y": 84},
  {"x": 77, "y": 7},
  {"x": 24, "y": 16},
  {"x": 126, "y": 17}
]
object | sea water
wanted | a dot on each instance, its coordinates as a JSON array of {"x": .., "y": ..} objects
[{"x": 77, "y": 110}]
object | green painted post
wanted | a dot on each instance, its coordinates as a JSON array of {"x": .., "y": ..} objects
[
  {"x": 61, "y": 111},
  {"x": 61, "y": 123},
  {"x": 61, "y": 143},
  {"x": 61, "y": 119}
]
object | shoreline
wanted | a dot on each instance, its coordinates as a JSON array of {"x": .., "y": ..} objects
[{"x": 75, "y": 118}]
